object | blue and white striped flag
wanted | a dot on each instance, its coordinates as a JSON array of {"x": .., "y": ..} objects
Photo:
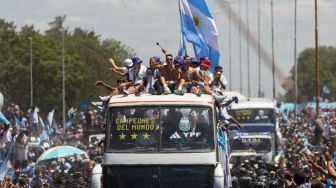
[
  {"x": 19, "y": 123},
  {"x": 50, "y": 118},
  {"x": 199, "y": 28},
  {"x": 3, "y": 119}
]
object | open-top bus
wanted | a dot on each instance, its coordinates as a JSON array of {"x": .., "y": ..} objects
[{"x": 163, "y": 141}]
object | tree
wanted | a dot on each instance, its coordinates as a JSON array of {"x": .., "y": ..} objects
[
  {"x": 86, "y": 61},
  {"x": 306, "y": 73}
]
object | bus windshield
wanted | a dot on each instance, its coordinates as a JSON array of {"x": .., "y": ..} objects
[
  {"x": 252, "y": 143},
  {"x": 160, "y": 129},
  {"x": 254, "y": 115}
]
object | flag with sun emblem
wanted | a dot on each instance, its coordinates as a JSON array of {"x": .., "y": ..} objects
[{"x": 199, "y": 28}]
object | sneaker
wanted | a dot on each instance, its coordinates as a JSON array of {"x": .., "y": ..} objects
[
  {"x": 140, "y": 91},
  {"x": 166, "y": 92},
  {"x": 235, "y": 99},
  {"x": 153, "y": 91},
  {"x": 179, "y": 92},
  {"x": 104, "y": 98},
  {"x": 99, "y": 105},
  {"x": 220, "y": 99},
  {"x": 199, "y": 91},
  {"x": 122, "y": 91}
]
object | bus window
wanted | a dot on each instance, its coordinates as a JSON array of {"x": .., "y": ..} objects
[
  {"x": 186, "y": 128},
  {"x": 160, "y": 129},
  {"x": 255, "y": 115},
  {"x": 134, "y": 129}
]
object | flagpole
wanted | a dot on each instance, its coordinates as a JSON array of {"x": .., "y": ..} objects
[
  {"x": 317, "y": 63},
  {"x": 248, "y": 49}
]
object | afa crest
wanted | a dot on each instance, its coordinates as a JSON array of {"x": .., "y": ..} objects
[{"x": 184, "y": 125}]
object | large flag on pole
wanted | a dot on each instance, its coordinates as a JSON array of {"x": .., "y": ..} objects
[{"x": 199, "y": 28}]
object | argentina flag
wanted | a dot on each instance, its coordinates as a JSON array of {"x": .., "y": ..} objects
[{"x": 199, "y": 28}]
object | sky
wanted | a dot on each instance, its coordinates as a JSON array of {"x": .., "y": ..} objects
[{"x": 139, "y": 24}]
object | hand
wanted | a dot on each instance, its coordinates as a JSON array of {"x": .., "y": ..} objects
[
  {"x": 123, "y": 84},
  {"x": 328, "y": 157},
  {"x": 217, "y": 76},
  {"x": 235, "y": 99},
  {"x": 111, "y": 60}
]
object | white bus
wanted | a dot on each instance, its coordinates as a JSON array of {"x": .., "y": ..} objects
[
  {"x": 163, "y": 141},
  {"x": 259, "y": 135}
]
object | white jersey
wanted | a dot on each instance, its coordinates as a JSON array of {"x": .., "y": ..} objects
[
  {"x": 136, "y": 75},
  {"x": 217, "y": 86}
]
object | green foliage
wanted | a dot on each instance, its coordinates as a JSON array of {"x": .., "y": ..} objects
[
  {"x": 85, "y": 56},
  {"x": 307, "y": 77}
]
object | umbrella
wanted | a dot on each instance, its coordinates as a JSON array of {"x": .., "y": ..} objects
[{"x": 60, "y": 151}]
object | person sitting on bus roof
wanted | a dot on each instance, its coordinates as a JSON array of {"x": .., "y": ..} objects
[
  {"x": 204, "y": 86},
  {"x": 136, "y": 75},
  {"x": 188, "y": 78},
  {"x": 218, "y": 81},
  {"x": 152, "y": 78},
  {"x": 168, "y": 76},
  {"x": 122, "y": 71}
]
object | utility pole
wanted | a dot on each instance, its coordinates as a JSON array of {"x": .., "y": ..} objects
[
  {"x": 273, "y": 62},
  {"x": 63, "y": 82},
  {"x": 248, "y": 50},
  {"x": 295, "y": 59},
  {"x": 240, "y": 57},
  {"x": 259, "y": 61},
  {"x": 230, "y": 46},
  {"x": 31, "y": 71},
  {"x": 317, "y": 63}
]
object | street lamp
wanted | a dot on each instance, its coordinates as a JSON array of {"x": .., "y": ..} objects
[
  {"x": 31, "y": 71},
  {"x": 63, "y": 82}
]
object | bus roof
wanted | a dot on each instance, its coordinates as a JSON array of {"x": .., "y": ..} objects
[
  {"x": 148, "y": 99},
  {"x": 253, "y": 104}
]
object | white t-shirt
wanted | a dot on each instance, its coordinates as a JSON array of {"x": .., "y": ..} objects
[
  {"x": 136, "y": 75},
  {"x": 33, "y": 116},
  {"x": 151, "y": 78},
  {"x": 125, "y": 70},
  {"x": 217, "y": 86}
]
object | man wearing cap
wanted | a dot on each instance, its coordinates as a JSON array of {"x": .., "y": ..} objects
[
  {"x": 152, "y": 77},
  {"x": 136, "y": 75},
  {"x": 204, "y": 74},
  {"x": 122, "y": 71},
  {"x": 188, "y": 79}
]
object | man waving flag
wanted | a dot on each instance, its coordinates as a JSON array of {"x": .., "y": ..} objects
[{"x": 199, "y": 28}]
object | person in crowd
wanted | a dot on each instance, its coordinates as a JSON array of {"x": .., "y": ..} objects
[
  {"x": 33, "y": 118},
  {"x": 5, "y": 142},
  {"x": 20, "y": 148}
]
